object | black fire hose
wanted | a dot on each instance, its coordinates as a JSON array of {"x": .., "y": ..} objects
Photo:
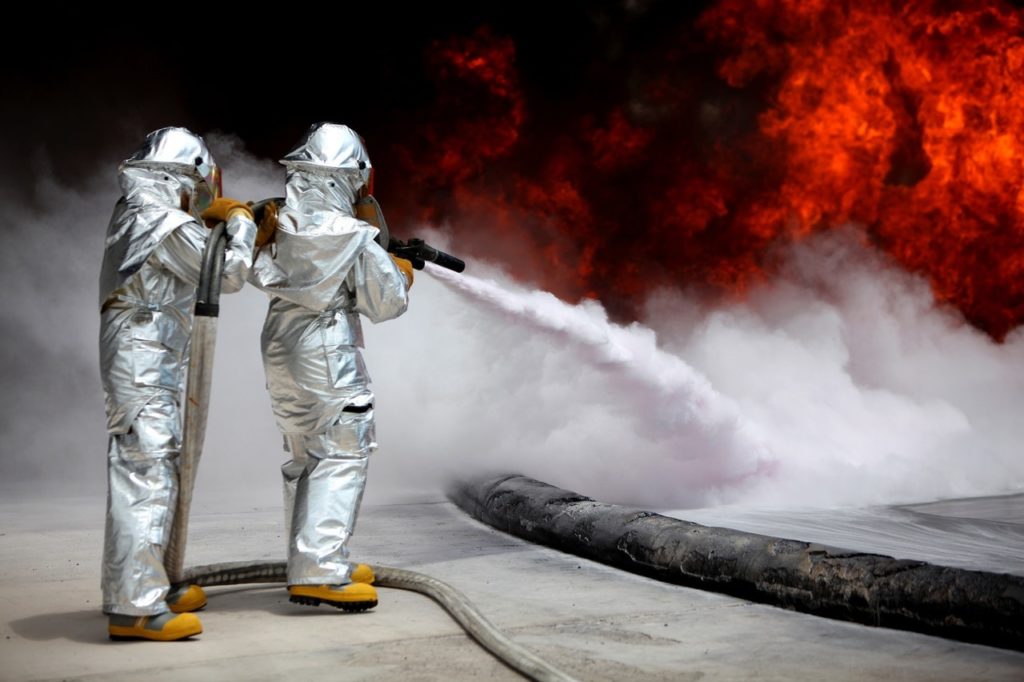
[
  {"x": 208, "y": 292},
  {"x": 973, "y": 606}
]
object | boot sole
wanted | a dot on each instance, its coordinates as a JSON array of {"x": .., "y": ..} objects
[
  {"x": 344, "y": 606},
  {"x": 125, "y": 636}
]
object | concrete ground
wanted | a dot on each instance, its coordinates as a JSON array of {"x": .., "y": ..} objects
[{"x": 595, "y": 622}]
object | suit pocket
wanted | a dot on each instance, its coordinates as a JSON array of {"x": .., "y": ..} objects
[
  {"x": 353, "y": 434},
  {"x": 345, "y": 366},
  {"x": 157, "y": 349}
]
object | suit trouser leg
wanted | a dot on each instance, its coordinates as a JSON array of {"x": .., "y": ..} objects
[{"x": 142, "y": 473}]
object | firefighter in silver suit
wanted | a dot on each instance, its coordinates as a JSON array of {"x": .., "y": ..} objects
[
  {"x": 323, "y": 270},
  {"x": 151, "y": 267}
]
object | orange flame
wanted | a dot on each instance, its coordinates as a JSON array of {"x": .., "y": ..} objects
[{"x": 905, "y": 117}]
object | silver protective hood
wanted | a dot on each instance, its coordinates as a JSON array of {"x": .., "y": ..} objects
[
  {"x": 320, "y": 246},
  {"x": 172, "y": 147},
  {"x": 180, "y": 150},
  {"x": 332, "y": 147},
  {"x": 153, "y": 181}
]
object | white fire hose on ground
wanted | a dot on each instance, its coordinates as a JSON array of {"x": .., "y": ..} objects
[{"x": 200, "y": 373}]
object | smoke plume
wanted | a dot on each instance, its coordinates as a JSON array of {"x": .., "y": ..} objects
[{"x": 839, "y": 382}]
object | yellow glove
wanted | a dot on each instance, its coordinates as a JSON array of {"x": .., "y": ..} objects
[
  {"x": 268, "y": 225},
  {"x": 406, "y": 268},
  {"x": 223, "y": 208}
]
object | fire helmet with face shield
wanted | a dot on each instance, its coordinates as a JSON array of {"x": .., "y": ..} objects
[
  {"x": 336, "y": 149},
  {"x": 181, "y": 150}
]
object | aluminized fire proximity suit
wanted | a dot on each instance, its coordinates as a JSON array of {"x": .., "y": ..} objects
[
  {"x": 323, "y": 270},
  {"x": 147, "y": 290}
]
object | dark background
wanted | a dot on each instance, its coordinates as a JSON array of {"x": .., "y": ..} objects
[{"x": 79, "y": 83}]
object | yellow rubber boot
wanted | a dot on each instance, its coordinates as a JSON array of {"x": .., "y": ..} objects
[
  {"x": 186, "y": 598},
  {"x": 350, "y": 597},
  {"x": 166, "y": 627},
  {"x": 362, "y": 573}
]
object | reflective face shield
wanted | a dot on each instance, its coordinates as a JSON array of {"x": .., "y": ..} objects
[
  {"x": 209, "y": 186},
  {"x": 368, "y": 177}
]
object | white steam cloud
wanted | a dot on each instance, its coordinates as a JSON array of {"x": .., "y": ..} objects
[{"x": 838, "y": 384}]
